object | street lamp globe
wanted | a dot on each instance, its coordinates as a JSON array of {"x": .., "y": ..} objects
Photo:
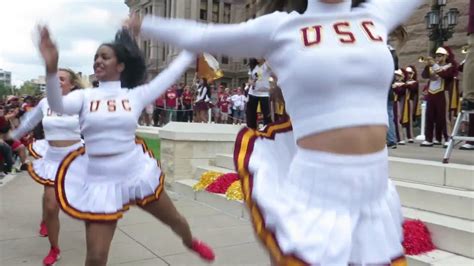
[
  {"x": 432, "y": 19},
  {"x": 442, "y": 2},
  {"x": 452, "y": 17}
]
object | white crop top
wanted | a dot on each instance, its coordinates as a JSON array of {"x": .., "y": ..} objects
[
  {"x": 55, "y": 126},
  {"x": 332, "y": 62},
  {"x": 108, "y": 115}
]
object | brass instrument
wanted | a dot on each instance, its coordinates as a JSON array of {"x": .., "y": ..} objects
[
  {"x": 423, "y": 59},
  {"x": 465, "y": 49}
]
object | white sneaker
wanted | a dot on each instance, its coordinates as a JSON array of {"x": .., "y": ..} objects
[
  {"x": 435, "y": 142},
  {"x": 411, "y": 141},
  {"x": 446, "y": 144},
  {"x": 467, "y": 147},
  {"x": 426, "y": 144},
  {"x": 401, "y": 142}
]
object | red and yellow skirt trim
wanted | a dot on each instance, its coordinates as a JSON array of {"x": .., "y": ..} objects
[
  {"x": 36, "y": 177},
  {"x": 32, "y": 151},
  {"x": 99, "y": 217}
]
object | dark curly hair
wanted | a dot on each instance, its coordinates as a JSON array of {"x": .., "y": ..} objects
[{"x": 127, "y": 52}]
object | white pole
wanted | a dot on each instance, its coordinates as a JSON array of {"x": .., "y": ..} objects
[{"x": 421, "y": 137}]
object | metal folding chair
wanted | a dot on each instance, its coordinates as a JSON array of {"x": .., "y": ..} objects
[{"x": 455, "y": 137}]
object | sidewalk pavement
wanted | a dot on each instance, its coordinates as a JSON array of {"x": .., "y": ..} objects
[{"x": 139, "y": 240}]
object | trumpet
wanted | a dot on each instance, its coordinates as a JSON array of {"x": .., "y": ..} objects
[
  {"x": 465, "y": 49},
  {"x": 423, "y": 59}
]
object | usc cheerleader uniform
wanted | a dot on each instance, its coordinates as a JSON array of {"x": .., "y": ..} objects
[
  {"x": 308, "y": 206},
  {"x": 56, "y": 127},
  {"x": 115, "y": 170}
]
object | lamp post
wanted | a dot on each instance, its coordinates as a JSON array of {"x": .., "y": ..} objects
[{"x": 440, "y": 23}]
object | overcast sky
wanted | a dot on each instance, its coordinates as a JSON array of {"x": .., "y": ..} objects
[{"x": 78, "y": 27}]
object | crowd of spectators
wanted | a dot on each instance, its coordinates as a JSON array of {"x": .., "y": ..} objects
[
  {"x": 13, "y": 155},
  {"x": 207, "y": 103}
]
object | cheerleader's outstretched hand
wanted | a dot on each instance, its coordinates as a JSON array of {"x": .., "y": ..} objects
[
  {"x": 48, "y": 49},
  {"x": 133, "y": 24}
]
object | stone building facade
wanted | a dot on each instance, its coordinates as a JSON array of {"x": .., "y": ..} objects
[
  {"x": 234, "y": 11},
  {"x": 159, "y": 55}
]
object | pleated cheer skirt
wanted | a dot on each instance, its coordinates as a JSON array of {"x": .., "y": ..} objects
[
  {"x": 37, "y": 148},
  {"x": 102, "y": 188},
  {"x": 316, "y": 208},
  {"x": 44, "y": 169}
]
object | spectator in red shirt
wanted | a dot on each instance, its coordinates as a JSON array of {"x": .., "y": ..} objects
[
  {"x": 171, "y": 104},
  {"x": 186, "y": 101},
  {"x": 223, "y": 105},
  {"x": 159, "y": 113}
]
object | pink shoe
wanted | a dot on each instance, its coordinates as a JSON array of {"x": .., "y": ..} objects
[
  {"x": 52, "y": 258},
  {"x": 43, "y": 229},
  {"x": 204, "y": 251}
]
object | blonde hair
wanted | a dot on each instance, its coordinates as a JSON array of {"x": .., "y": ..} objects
[{"x": 74, "y": 77}]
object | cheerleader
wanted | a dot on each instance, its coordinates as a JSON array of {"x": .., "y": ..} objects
[
  {"x": 399, "y": 104},
  {"x": 441, "y": 94},
  {"x": 203, "y": 95},
  {"x": 62, "y": 135},
  {"x": 259, "y": 92},
  {"x": 317, "y": 189},
  {"x": 414, "y": 102},
  {"x": 99, "y": 185}
]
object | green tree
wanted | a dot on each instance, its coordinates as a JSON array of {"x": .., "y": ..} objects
[
  {"x": 29, "y": 88},
  {"x": 4, "y": 90}
]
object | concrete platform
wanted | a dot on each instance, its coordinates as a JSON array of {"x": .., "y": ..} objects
[{"x": 139, "y": 239}]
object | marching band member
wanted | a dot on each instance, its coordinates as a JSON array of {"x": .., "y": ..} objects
[
  {"x": 441, "y": 95},
  {"x": 399, "y": 105},
  {"x": 116, "y": 170},
  {"x": 318, "y": 190},
  {"x": 414, "y": 102}
]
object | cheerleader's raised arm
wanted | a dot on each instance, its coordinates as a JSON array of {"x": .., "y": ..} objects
[
  {"x": 229, "y": 39},
  {"x": 392, "y": 12}
]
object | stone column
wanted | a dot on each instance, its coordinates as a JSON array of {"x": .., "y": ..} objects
[{"x": 184, "y": 146}]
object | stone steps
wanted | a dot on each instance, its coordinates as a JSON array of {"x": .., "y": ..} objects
[
  {"x": 204, "y": 168},
  {"x": 441, "y": 200},
  {"x": 454, "y": 176},
  {"x": 452, "y": 235}
]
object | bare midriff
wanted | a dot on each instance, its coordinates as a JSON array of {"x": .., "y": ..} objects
[
  {"x": 353, "y": 140},
  {"x": 63, "y": 143}
]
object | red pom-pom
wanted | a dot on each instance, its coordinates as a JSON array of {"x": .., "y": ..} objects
[
  {"x": 417, "y": 238},
  {"x": 222, "y": 183}
]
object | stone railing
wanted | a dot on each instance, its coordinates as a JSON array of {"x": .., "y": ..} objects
[{"x": 184, "y": 146}]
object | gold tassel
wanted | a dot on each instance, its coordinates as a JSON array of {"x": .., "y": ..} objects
[
  {"x": 406, "y": 109},
  {"x": 454, "y": 96}
]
